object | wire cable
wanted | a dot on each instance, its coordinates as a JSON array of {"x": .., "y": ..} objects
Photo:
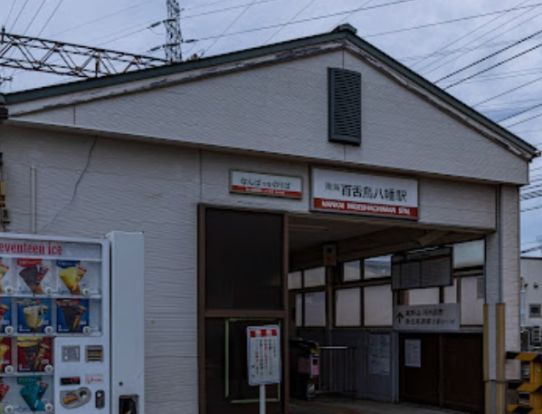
[
  {"x": 232, "y": 23},
  {"x": 487, "y": 42},
  {"x": 25, "y": 31},
  {"x": 508, "y": 91},
  {"x": 502, "y": 62},
  {"x": 18, "y": 15},
  {"x": 477, "y": 62},
  {"x": 276, "y": 32},
  {"x": 447, "y": 45},
  {"x": 525, "y": 120},
  {"x": 10, "y": 11}
]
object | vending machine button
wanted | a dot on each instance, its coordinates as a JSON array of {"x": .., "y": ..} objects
[
  {"x": 70, "y": 381},
  {"x": 100, "y": 399}
]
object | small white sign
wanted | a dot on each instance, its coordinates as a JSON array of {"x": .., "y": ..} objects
[
  {"x": 413, "y": 353},
  {"x": 444, "y": 317},
  {"x": 245, "y": 182},
  {"x": 367, "y": 194},
  {"x": 264, "y": 355}
]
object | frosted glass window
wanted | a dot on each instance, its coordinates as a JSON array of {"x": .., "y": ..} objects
[
  {"x": 315, "y": 309},
  {"x": 375, "y": 267},
  {"x": 378, "y": 305},
  {"x": 450, "y": 293},
  {"x": 351, "y": 271},
  {"x": 471, "y": 305},
  {"x": 315, "y": 277},
  {"x": 347, "y": 307},
  {"x": 299, "y": 309},
  {"x": 294, "y": 280},
  {"x": 423, "y": 296},
  {"x": 469, "y": 254}
]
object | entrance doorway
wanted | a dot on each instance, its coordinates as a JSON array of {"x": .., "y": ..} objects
[{"x": 258, "y": 268}]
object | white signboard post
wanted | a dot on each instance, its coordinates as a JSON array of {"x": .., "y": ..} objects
[
  {"x": 444, "y": 317},
  {"x": 264, "y": 358},
  {"x": 354, "y": 193},
  {"x": 246, "y": 182}
]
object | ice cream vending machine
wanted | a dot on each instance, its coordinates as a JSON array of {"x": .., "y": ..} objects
[{"x": 65, "y": 346}]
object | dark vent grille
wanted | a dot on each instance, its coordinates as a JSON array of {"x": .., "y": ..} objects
[{"x": 344, "y": 106}]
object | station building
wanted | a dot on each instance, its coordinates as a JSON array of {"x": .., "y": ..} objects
[{"x": 316, "y": 183}]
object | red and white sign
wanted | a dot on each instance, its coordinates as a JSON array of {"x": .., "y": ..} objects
[
  {"x": 263, "y": 352},
  {"x": 245, "y": 182},
  {"x": 366, "y": 194}
]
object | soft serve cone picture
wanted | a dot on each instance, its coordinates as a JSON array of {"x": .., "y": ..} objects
[
  {"x": 4, "y": 269},
  {"x": 32, "y": 391},
  {"x": 5, "y": 352},
  {"x": 72, "y": 315},
  {"x": 34, "y": 315},
  {"x": 5, "y": 314},
  {"x": 71, "y": 273},
  {"x": 32, "y": 272},
  {"x": 33, "y": 354}
]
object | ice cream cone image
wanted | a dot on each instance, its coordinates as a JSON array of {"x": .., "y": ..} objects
[
  {"x": 42, "y": 352},
  {"x": 4, "y": 388},
  {"x": 3, "y": 350},
  {"x": 3, "y": 270},
  {"x": 32, "y": 276},
  {"x": 3, "y": 310},
  {"x": 71, "y": 277},
  {"x": 73, "y": 311},
  {"x": 33, "y": 316}
]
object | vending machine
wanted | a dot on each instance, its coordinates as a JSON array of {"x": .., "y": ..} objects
[{"x": 58, "y": 335}]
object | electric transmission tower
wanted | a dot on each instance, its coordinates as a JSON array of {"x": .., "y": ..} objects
[
  {"x": 174, "y": 38},
  {"x": 174, "y": 35}
]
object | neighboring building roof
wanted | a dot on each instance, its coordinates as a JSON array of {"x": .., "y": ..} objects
[{"x": 341, "y": 33}]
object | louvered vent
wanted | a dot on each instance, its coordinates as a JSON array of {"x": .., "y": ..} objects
[{"x": 344, "y": 106}]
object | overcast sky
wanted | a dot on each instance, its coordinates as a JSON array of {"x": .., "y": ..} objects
[{"x": 433, "y": 37}]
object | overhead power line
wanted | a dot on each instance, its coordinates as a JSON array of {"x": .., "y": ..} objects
[
  {"x": 502, "y": 62},
  {"x": 19, "y": 15},
  {"x": 25, "y": 31},
  {"x": 443, "y": 62},
  {"x": 310, "y": 19},
  {"x": 525, "y": 120},
  {"x": 466, "y": 35},
  {"x": 232, "y": 23},
  {"x": 276, "y": 32},
  {"x": 498, "y": 52}
]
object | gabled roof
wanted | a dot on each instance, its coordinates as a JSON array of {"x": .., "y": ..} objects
[{"x": 344, "y": 33}]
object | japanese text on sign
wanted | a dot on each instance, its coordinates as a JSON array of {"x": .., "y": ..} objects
[
  {"x": 264, "y": 355},
  {"x": 245, "y": 182},
  {"x": 364, "y": 194},
  {"x": 442, "y": 317}
]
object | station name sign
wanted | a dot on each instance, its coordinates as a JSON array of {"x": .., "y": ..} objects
[
  {"x": 365, "y": 194},
  {"x": 246, "y": 182}
]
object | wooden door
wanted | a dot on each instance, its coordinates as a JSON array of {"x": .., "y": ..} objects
[{"x": 242, "y": 282}]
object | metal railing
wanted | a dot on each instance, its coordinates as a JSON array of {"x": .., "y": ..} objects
[{"x": 337, "y": 370}]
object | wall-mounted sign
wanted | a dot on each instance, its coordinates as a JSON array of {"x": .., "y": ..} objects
[
  {"x": 367, "y": 194},
  {"x": 444, "y": 317},
  {"x": 263, "y": 352},
  {"x": 413, "y": 353},
  {"x": 246, "y": 182}
]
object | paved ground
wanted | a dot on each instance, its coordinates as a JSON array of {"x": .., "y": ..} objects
[{"x": 341, "y": 406}]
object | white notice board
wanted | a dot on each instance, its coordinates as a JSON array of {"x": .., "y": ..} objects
[
  {"x": 264, "y": 355},
  {"x": 413, "y": 353}
]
